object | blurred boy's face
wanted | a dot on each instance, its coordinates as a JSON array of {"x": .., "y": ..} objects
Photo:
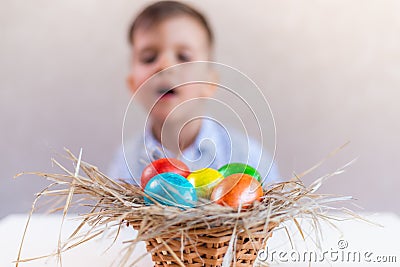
[{"x": 172, "y": 41}]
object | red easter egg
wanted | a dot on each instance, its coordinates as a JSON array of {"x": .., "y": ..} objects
[
  {"x": 237, "y": 188},
  {"x": 161, "y": 166}
]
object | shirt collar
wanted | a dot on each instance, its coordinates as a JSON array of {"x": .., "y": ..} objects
[{"x": 206, "y": 139}]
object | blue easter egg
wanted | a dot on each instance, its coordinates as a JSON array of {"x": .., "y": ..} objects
[{"x": 171, "y": 189}]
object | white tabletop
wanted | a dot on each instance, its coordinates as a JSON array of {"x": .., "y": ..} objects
[
  {"x": 358, "y": 243},
  {"x": 356, "y": 237},
  {"x": 42, "y": 239}
]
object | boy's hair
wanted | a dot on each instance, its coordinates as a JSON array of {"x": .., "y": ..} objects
[{"x": 160, "y": 11}]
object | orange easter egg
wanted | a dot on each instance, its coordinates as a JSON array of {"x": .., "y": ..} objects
[{"x": 237, "y": 189}]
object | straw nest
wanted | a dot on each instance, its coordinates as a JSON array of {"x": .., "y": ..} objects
[{"x": 115, "y": 204}]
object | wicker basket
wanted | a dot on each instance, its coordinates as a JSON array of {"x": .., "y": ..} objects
[{"x": 207, "y": 246}]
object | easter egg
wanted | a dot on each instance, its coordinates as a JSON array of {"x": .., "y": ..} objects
[
  {"x": 237, "y": 189},
  {"x": 204, "y": 181},
  {"x": 161, "y": 166},
  {"x": 232, "y": 168},
  {"x": 171, "y": 189}
]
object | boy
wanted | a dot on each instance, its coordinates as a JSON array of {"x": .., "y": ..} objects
[{"x": 165, "y": 34}]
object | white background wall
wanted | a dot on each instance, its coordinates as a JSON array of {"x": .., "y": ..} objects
[{"x": 330, "y": 69}]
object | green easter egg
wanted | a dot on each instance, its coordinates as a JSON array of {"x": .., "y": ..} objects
[{"x": 232, "y": 168}]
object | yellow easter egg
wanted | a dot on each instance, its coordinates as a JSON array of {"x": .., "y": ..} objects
[{"x": 204, "y": 181}]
